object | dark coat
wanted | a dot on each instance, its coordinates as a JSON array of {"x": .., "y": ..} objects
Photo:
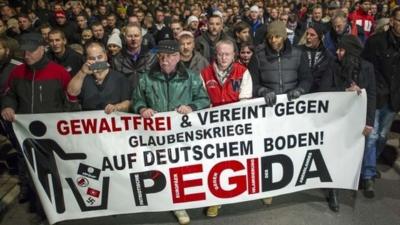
[
  {"x": 279, "y": 72},
  {"x": 71, "y": 60},
  {"x": 383, "y": 51}
]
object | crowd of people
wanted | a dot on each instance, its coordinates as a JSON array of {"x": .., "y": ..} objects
[{"x": 154, "y": 56}]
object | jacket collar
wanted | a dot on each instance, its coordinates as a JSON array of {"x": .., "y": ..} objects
[
  {"x": 272, "y": 54},
  {"x": 181, "y": 72}
]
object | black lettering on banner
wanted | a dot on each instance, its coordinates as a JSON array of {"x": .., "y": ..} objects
[
  {"x": 140, "y": 191},
  {"x": 267, "y": 174},
  {"x": 321, "y": 169},
  {"x": 300, "y": 107},
  {"x": 292, "y": 141},
  {"x": 185, "y": 121},
  {"x": 79, "y": 199},
  {"x": 127, "y": 159}
]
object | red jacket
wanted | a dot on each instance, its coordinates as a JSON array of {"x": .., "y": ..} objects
[
  {"x": 229, "y": 91},
  {"x": 364, "y": 20}
]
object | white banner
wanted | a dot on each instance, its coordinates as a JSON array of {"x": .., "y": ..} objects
[{"x": 90, "y": 164}]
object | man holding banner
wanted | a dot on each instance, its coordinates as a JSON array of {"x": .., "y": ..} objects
[
  {"x": 226, "y": 82},
  {"x": 169, "y": 86}
]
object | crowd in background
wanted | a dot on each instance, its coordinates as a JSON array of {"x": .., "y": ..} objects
[{"x": 152, "y": 56}]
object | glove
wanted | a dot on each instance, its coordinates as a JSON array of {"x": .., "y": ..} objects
[
  {"x": 270, "y": 98},
  {"x": 295, "y": 93}
]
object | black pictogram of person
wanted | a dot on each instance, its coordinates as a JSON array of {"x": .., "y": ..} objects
[{"x": 44, "y": 150}]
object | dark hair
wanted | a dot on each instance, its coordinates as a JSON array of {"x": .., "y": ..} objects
[
  {"x": 394, "y": 12},
  {"x": 247, "y": 44},
  {"x": 238, "y": 27},
  {"x": 44, "y": 25}
]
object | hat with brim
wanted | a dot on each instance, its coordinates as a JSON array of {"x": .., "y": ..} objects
[
  {"x": 168, "y": 46},
  {"x": 30, "y": 41}
]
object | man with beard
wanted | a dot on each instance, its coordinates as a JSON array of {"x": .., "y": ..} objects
[
  {"x": 134, "y": 59},
  {"x": 340, "y": 27},
  {"x": 191, "y": 58},
  {"x": 205, "y": 43},
  {"x": 62, "y": 54}
]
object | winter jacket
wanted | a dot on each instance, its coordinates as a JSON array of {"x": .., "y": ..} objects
[
  {"x": 198, "y": 62},
  {"x": 364, "y": 20},
  {"x": 383, "y": 51},
  {"x": 279, "y": 72},
  {"x": 161, "y": 93},
  {"x": 230, "y": 90},
  {"x": 323, "y": 68},
  {"x": 124, "y": 64},
  {"x": 38, "y": 91},
  {"x": 71, "y": 60}
]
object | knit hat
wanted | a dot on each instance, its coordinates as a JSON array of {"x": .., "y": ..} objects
[
  {"x": 59, "y": 13},
  {"x": 254, "y": 8},
  {"x": 351, "y": 44},
  {"x": 277, "y": 28},
  {"x": 168, "y": 46},
  {"x": 192, "y": 19},
  {"x": 318, "y": 29},
  {"x": 115, "y": 39}
]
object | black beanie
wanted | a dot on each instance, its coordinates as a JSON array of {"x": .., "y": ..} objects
[
  {"x": 351, "y": 44},
  {"x": 319, "y": 29}
]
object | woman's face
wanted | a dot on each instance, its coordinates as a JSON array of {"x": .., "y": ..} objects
[
  {"x": 245, "y": 55},
  {"x": 113, "y": 49}
]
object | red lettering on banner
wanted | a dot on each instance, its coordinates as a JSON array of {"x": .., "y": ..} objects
[
  {"x": 75, "y": 126},
  {"x": 253, "y": 176},
  {"x": 104, "y": 125},
  {"x": 178, "y": 184},
  {"x": 214, "y": 178}
]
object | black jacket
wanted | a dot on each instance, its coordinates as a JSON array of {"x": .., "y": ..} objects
[
  {"x": 383, "y": 51},
  {"x": 71, "y": 60},
  {"x": 279, "y": 72}
]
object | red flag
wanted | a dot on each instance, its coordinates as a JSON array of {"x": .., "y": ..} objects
[{"x": 93, "y": 192}]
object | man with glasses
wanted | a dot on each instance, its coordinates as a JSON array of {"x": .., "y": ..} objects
[
  {"x": 382, "y": 50},
  {"x": 169, "y": 86}
]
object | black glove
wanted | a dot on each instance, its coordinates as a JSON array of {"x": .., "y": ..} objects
[
  {"x": 295, "y": 93},
  {"x": 270, "y": 98}
]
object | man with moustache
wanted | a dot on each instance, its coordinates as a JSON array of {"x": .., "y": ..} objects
[{"x": 189, "y": 57}]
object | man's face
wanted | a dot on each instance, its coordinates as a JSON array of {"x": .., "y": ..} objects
[
  {"x": 254, "y": 15},
  {"x": 57, "y": 43},
  {"x": 194, "y": 25},
  {"x": 366, "y": 6},
  {"x": 159, "y": 17},
  {"x": 274, "y": 14},
  {"x": 339, "y": 25},
  {"x": 133, "y": 20},
  {"x": 395, "y": 24},
  {"x": 276, "y": 42},
  {"x": 82, "y": 22},
  {"x": 245, "y": 55},
  {"x": 102, "y": 10},
  {"x": 168, "y": 61},
  {"x": 176, "y": 29},
  {"x": 215, "y": 26},
  {"x": 133, "y": 38},
  {"x": 76, "y": 9},
  {"x": 186, "y": 46},
  {"x": 312, "y": 40},
  {"x": 32, "y": 57},
  {"x": 374, "y": 9},
  {"x": 243, "y": 35},
  {"x": 111, "y": 21},
  {"x": 24, "y": 23},
  {"x": 87, "y": 35},
  {"x": 45, "y": 33},
  {"x": 284, "y": 18},
  {"x": 98, "y": 32},
  {"x": 96, "y": 54},
  {"x": 140, "y": 16},
  {"x": 225, "y": 55},
  {"x": 6, "y": 11},
  {"x": 61, "y": 20},
  {"x": 317, "y": 14},
  {"x": 3, "y": 52}
]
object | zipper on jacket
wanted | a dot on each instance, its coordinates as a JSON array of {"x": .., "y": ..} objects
[
  {"x": 280, "y": 74},
  {"x": 40, "y": 94},
  {"x": 33, "y": 91}
]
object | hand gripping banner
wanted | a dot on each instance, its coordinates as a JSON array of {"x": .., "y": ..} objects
[{"x": 90, "y": 164}]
